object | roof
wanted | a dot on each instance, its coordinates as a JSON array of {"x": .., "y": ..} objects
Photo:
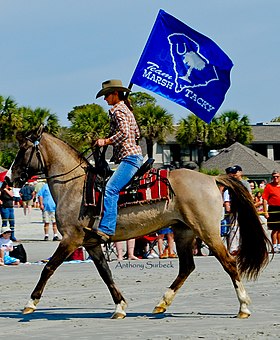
[
  {"x": 266, "y": 134},
  {"x": 253, "y": 163}
]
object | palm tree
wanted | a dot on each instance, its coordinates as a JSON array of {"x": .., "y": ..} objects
[
  {"x": 8, "y": 117},
  {"x": 193, "y": 131},
  {"x": 34, "y": 118},
  {"x": 88, "y": 122},
  {"x": 155, "y": 123},
  {"x": 139, "y": 99},
  {"x": 236, "y": 128}
]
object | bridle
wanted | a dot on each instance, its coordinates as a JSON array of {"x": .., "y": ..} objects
[{"x": 34, "y": 151}]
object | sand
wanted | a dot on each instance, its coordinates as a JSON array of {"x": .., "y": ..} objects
[{"x": 76, "y": 303}]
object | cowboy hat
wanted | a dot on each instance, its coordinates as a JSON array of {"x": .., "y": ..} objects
[
  {"x": 111, "y": 86},
  {"x": 5, "y": 230}
]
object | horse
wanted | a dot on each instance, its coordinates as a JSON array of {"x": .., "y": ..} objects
[{"x": 193, "y": 211}]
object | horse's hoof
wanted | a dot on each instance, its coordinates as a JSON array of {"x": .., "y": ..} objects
[
  {"x": 242, "y": 315},
  {"x": 159, "y": 310},
  {"x": 118, "y": 316},
  {"x": 28, "y": 310}
]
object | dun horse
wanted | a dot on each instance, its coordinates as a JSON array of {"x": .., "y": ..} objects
[{"x": 195, "y": 210}]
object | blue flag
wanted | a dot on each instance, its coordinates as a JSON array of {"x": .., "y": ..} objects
[{"x": 184, "y": 66}]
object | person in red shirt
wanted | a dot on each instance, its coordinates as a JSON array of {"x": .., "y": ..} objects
[{"x": 271, "y": 208}]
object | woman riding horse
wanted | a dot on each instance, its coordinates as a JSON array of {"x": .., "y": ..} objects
[
  {"x": 193, "y": 211},
  {"x": 124, "y": 136}
]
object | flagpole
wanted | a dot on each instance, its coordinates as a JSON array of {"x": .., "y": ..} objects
[{"x": 129, "y": 87}]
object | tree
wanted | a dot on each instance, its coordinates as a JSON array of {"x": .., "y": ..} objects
[
  {"x": 223, "y": 131},
  {"x": 139, "y": 99},
  {"x": 34, "y": 118},
  {"x": 155, "y": 123},
  {"x": 235, "y": 128},
  {"x": 193, "y": 131},
  {"x": 88, "y": 122},
  {"x": 276, "y": 119},
  {"x": 16, "y": 120},
  {"x": 8, "y": 117}
]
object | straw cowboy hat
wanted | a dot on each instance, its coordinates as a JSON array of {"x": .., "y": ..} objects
[
  {"x": 5, "y": 230},
  {"x": 111, "y": 86}
]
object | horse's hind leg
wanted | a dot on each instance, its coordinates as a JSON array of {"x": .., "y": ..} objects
[
  {"x": 64, "y": 249},
  {"x": 184, "y": 245},
  {"x": 229, "y": 264}
]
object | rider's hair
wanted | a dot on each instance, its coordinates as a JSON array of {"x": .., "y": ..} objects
[{"x": 124, "y": 97}]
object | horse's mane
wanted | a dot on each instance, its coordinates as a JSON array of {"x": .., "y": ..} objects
[{"x": 80, "y": 155}]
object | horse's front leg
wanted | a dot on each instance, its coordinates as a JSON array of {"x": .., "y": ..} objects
[
  {"x": 96, "y": 253},
  {"x": 184, "y": 246},
  {"x": 64, "y": 250}
]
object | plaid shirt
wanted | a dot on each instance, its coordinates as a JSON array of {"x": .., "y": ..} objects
[{"x": 124, "y": 132}]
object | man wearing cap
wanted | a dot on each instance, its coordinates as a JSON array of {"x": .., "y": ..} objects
[
  {"x": 271, "y": 207},
  {"x": 124, "y": 137},
  {"x": 6, "y": 245},
  {"x": 236, "y": 172}
]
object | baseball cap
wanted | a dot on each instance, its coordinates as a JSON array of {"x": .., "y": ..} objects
[{"x": 233, "y": 169}]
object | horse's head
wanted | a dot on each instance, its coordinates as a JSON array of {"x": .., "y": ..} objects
[{"x": 28, "y": 161}]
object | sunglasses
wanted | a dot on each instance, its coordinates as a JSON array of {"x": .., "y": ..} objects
[{"x": 275, "y": 176}]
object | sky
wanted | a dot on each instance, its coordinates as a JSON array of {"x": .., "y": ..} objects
[{"x": 56, "y": 53}]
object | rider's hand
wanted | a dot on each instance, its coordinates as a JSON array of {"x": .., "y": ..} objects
[{"x": 102, "y": 142}]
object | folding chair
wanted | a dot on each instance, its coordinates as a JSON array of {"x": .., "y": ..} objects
[
  {"x": 146, "y": 245},
  {"x": 109, "y": 249}
]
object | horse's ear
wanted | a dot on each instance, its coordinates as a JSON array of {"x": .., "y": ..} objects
[
  {"x": 36, "y": 134},
  {"x": 40, "y": 130},
  {"x": 20, "y": 136}
]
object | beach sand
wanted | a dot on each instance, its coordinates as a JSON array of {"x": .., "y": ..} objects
[{"x": 77, "y": 304}]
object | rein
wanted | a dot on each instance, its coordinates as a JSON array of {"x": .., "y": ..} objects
[{"x": 41, "y": 168}]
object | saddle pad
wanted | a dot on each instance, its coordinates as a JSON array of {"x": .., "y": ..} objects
[{"x": 153, "y": 185}]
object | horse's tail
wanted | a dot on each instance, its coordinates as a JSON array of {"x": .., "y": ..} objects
[{"x": 254, "y": 245}]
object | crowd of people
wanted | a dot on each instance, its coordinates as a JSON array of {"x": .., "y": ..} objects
[
  {"x": 34, "y": 194},
  {"x": 266, "y": 198}
]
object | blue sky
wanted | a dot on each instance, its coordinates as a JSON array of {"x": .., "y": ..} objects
[{"x": 56, "y": 53}]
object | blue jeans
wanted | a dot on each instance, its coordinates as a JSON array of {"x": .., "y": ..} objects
[
  {"x": 125, "y": 171},
  {"x": 7, "y": 214}
]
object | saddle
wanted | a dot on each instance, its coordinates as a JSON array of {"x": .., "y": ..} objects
[{"x": 146, "y": 186}]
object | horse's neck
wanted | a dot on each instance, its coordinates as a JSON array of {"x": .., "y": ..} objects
[{"x": 59, "y": 157}]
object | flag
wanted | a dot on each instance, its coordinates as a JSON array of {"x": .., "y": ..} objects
[{"x": 184, "y": 66}]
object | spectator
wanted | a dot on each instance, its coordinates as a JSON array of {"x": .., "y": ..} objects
[
  {"x": 27, "y": 193},
  {"x": 48, "y": 207},
  {"x": 234, "y": 234},
  {"x": 130, "y": 245},
  {"x": 2, "y": 257},
  {"x": 16, "y": 197},
  {"x": 38, "y": 186},
  {"x": 169, "y": 250},
  {"x": 6, "y": 245},
  {"x": 262, "y": 184},
  {"x": 258, "y": 202},
  {"x": 271, "y": 207},
  {"x": 7, "y": 208}
]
